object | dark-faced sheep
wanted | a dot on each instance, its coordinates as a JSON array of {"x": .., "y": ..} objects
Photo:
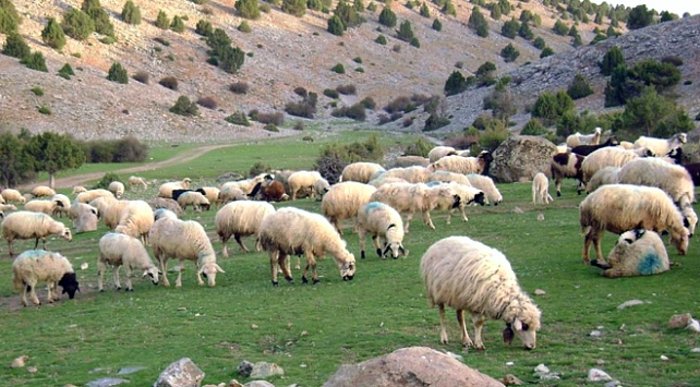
[
  {"x": 34, "y": 266},
  {"x": 565, "y": 165},
  {"x": 637, "y": 252}
]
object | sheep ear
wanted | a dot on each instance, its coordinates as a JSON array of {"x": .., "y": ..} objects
[
  {"x": 387, "y": 247},
  {"x": 390, "y": 226},
  {"x": 219, "y": 269},
  {"x": 639, "y": 232},
  {"x": 517, "y": 325},
  {"x": 508, "y": 334},
  {"x": 629, "y": 241}
]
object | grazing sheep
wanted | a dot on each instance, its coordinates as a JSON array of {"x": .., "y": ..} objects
[
  {"x": 486, "y": 184},
  {"x": 540, "y": 190},
  {"x": 272, "y": 191},
  {"x": 577, "y": 139},
  {"x": 34, "y": 266},
  {"x": 585, "y": 150},
  {"x": 28, "y": 225},
  {"x": 12, "y": 196},
  {"x": 241, "y": 218},
  {"x": 109, "y": 210},
  {"x": 637, "y": 252},
  {"x": 343, "y": 200},
  {"x": 230, "y": 193},
  {"x": 621, "y": 207},
  {"x": 303, "y": 180},
  {"x": 136, "y": 181},
  {"x": 654, "y": 172},
  {"x": 42, "y": 191},
  {"x": 409, "y": 161},
  {"x": 441, "y": 151},
  {"x": 194, "y": 199},
  {"x": 65, "y": 206},
  {"x": 117, "y": 188},
  {"x": 611, "y": 156},
  {"x": 136, "y": 219},
  {"x": 565, "y": 165},
  {"x": 448, "y": 177},
  {"x": 690, "y": 218},
  {"x": 41, "y": 205},
  {"x": 88, "y": 196},
  {"x": 381, "y": 180},
  {"x": 166, "y": 189},
  {"x": 469, "y": 276},
  {"x": 282, "y": 175},
  {"x": 78, "y": 189},
  {"x": 468, "y": 195},
  {"x": 415, "y": 174},
  {"x": 360, "y": 172},
  {"x": 168, "y": 204},
  {"x": 247, "y": 185},
  {"x": 607, "y": 175},
  {"x": 661, "y": 146},
  {"x": 211, "y": 193},
  {"x": 411, "y": 198},
  {"x": 381, "y": 222},
  {"x": 172, "y": 237},
  {"x": 84, "y": 217},
  {"x": 465, "y": 165},
  {"x": 119, "y": 250},
  {"x": 7, "y": 208},
  {"x": 295, "y": 231},
  {"x": 321, "y": 188},
  {"x": 627, "y": 145}
]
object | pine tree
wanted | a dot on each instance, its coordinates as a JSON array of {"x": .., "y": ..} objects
[
  {"x": 77, "y": 24},
  {"x": 162, "y": 20},
  {"x": 336, "y": 26},
  {"x": 53, "y": 35},
  {"x": 99, "y": 16},
  {"x": 177, "y": 24},
  {"x": 248, "y": 9},
  {"x": 118, "y": 74},
  {"x": 131, "y": 14},
  {"x": 387, "y": 18}
]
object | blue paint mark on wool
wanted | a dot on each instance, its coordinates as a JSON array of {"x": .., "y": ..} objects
[
  {"x": 373, "y": 206},
  {"x": 34, "y": 253},
  {"x": 649, "y": 264}
]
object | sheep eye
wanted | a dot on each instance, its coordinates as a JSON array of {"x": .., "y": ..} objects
[{"x": 525, "y": 327}]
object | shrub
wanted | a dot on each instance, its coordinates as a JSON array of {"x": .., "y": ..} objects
[
  {"x": 579, "y": 87},
  {"x": 131, "y": 14},
  {"x": 550, "y": 106},
  {"x": 510, "y": 28},
  {"x": 207, "y": 102},
  {"x": 478, "y": 23},
  {"x": 640, "y": 17},
  {"x": 348, "y": 14},
  {"x": 35, "y": 61},
  {"x": 9, "y": 20},
  {"x": 625, "y": 84},
  {"x": 77, "y": 24},
  {"x": 400, "y": 104},
  {"x": 169, "y": 82},
  {"x": 118, "y": 74},
  {"x": 38, "y": 91},
  {"x": 369, "y": 103},
  {"x": 184, "y": 107},
  {"x": 612, "y": 58},
  {"x": 335, "y": 157},
  {"x": 495, "y": 133},
  {"x": 405, "y": 32},
  {"x": 239, "y": 88},
  {"x": 424, "y": 10},
  {"x": 177, "y": 24},
  {"x": 435, "y": 121},
  {"x": 547, "y": 51},
  {"x": 276, "y": 118},
  {"x": 244, "y": 27},
  {"x": 294, "y": 7},
  {"x": 387, "y": 17},
  {"x": 271, "y": 127},
  {"x": 673, "y": 60},
  {"x": 203, "y": 28},
  {"x": 510, "y": 53},
  {"x": 560, "y": 28},
  {"x": 346, "y": 89},
  {"x": 106, "y": 180},
  {"x": 99, "y": 16},
  {"x": 300, "y": 109},
  {"x": 238, "y": 118},
  {"x": 141, "y": 76},
  {"x": 162, "y": 20},
  {"x": 331, "y": 93},
  {"x": 125, "y": 150},
  {"x": 265, "y": 8},
  {"x": 15, "y": 46},
  {"x": 525, "y": 32},
  {"x": 539, "y": 43},
  {"x": 338, "y": 68},
  {"x": 248, "y": 9},
  {"x": 651, "y": 114},
  {"x": 162, "y": 41},
  {"x": 355, "y": 112},
  {"x": 66, "y": 71},
  {"x": 533, "y": 127},
  {"x": 448, "y": 8},
  {"x": 43, "y": 109},
  {"x": 53, "y": 35},
  {"x": 419, "y": 148},
  {"x": 455, "y": 84},
  {"x": 381, "y": 39},
  {"x": 336, "y": 26},
  {"x": 437, "y": 26}
]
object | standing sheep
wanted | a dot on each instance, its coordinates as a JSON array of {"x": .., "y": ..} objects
[
  {"x": 34, "y": 266},
  {"x": 295, "y": 231},
  {"x": 414, "y": 174},
  {"x": 637, "y": 252},
  {"x": 231, "y": 193},
  {"x": 84, "y": 217},
  {"x": 611, "y": 156},
  {"x": 468, "y": 195},
  {"x": 44, "y": 206},
  {"x": 540, "y": 189},
  {"x": 621, "y": 207},
  {"x": 119, "y": 250},
  {"x": 343, "y": 200},
  {"x": 194, "y": 199},
  {"x": 241, "y": 218},
  {"x": 117, "y": 188},
  {"x": 465, "y": 165},
  {"x": 360, "y": 172},
  {"x": 64, "y": 207},
  {"x": 408, "y": 161},
  {"x": 661, "y": 146},
  {"x": 135, "y": 219},
  {"x": 469, "y": 276},
  {"x": 603, "y": 176},
  {"x": 28, "y": 225},
  {"x": 303, "y": 180},
  {"x": 12, "y": 196},
  {"x": 211, "y": 193},
  {"x": 486, "y": 184},
  {"x": 136, "y": 181},
  {"x": 381, "y": 222},
  {"x": 168, "y": 204},
  {"x": 585, "y": 150},
  {"x": 654, "y": 172},
  {"x": 576, "y": 139},
  {"x": 166, "y": 189},
  {"x": 441, "y": 151},
  {"x": 42, "y": 190},
  {"x": 564, "y": 165}
]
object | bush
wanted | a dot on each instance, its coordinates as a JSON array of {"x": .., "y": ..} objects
[
  {"x": 437, "y": 26},
  {"x": 9, "y": 20},
  {"x": 510, "y": 28},
  {"x": 539, "y": 43},
  {"x": 419, "y": 148},
  {"x": 533, "y": 127},
  {"x": 207, "y": 102},
  {"x": 435, "y": 121},
  {"x": 400, "y": 104},
  {"x": 547, "y": 51},
  {"x": 387, "y": 17},
  {"x": 381, "y": 39},
  {"x": 118, "y": 74},
  {"x": 628, "y": 83},
  {"x": 346, "y": 89},
  {"x": 184, "y": 107},
  {"x": 331, "y": 93},
  {"x": 300, "y": 109},
  {"x": 248, "y": 9},
  {"x": 579, "y": 87},
  {"x": 276, "y": 118},
  {"x": 238, "y": 118},
  {"x": 141, "y": 76},
  {"x": 53, "y": 35},
  {"x": 66, "y": 71},
  {"x": 245, "y": 27},
  {"x": 560, "y": 28},
  {"x": 455, "y": 84},
  {"x": 125, "y": 150},
  {"x": 169, "y": 82},
  {"x": 271, "y": 127},
  {"x": 43, "y": 109},
  {"x": 294, "y": 7},
  {"x": 612, "y": 58},
  {"x": 355, "y": 112},
  {"x": 38, "y": 91},
  {"x": 203, "y": 28},
  {"x": 640, "y": 17},
  {"x": 99, "y": 16},
  {"x": 335, "y": 157},
  {"x": 550, "y": 106},
  {"x": 162, "y": 20},
  {"x": 77, "y": 24},
  {"x": 131, "y": 14},
  {"x": 106, "y": 180},
  {"x": 672, "y": 60},
  {"x": 368, "y": 103},
  {"x": 510, "y": 53},
  {"x": 495, "y": 133},
  {"x": 405, "y": 32},
  {"x": 478, "y": 23},
  {"x": 525, "y": 32},
  {"x": 35, "y": 61},
  {"x": 16, "y": 47},
  {"x": 239, "y": 88},
  {"x": 336, "y": 26},
  {"x": 177, "y": 25},
  {"x": 338, "y": 68}
]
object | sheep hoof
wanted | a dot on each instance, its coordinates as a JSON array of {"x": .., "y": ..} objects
[
  {"x": 275, "y": 284},
  {"x": 558, "y": 193},
  {"x": 289, "y": 279},
  {"x": 304, "y": 280},
  {"x": 362, "y": 254},
  {"x": 130, "y": 290},
  {"x": 379, "y": 252},
  {"x": 102, "y": 290},
  {"x": 316, "y": 280},
  {"x": 119, "y": 288}
]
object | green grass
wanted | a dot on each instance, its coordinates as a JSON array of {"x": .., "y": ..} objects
[{"x": 311, "y": 330}]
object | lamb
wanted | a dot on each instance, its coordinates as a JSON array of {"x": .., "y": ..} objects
[
  {"x": 486, "y": 184},
  {"x": 136, "y": 181},
  {"x": 360, "y": 172},
  {"x": 194, "y": 199},
  {"x": 27, "y": 225},
  {"x": 84, "y": 217},
  {"x": 88, "y": 196},
  {"x": 383, "y": 223},
  {"x": 469, "y": 276},
  {"x": 540, "y": 190},
  {"x": 34, "y": 266},
  {"x": 441, "y": 151},
  {"x": 117, "y": 188},
  {"x": 621, "y": 207},
  {"x": 172, "y": 237},
  {"x": 42, "y": 190},
  {"x": 637, "y": 252},
  {"x": 343, "y": 200},
  {"x": 409, "y": 198},
  {"x": 409, "y": 161},
  {"x": 12, "y": 196},
  {"x": 241, "y": 218},
  {"x": 565, "y": 165},
  {"x": 654, "y": 172},
  {"x": 295, "y": 231},
  {"x": 166, "y": 189},
  {"x": 303, "y": 180},
  {"x": 465, "y": 165},
  {"x": 119, "y": 250},
  {"x": 607, "y": 175},
  {"x": 576, "y": 139},
  {"x": 585, "y": 150},
  {"x": 605, "y": 157},
  {"x": 661, "y": 146},
  {"x": 211, "y": 193},
  {"x": 44, "y": 206}
]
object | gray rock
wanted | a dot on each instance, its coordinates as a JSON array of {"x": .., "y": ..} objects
[
  {"x": 182, "y": 373},
  {"x": 106, "y": 382},
  {"x": 245, "y": 368},
  {"x": 629, "y": 303},
  {"x": 598, "y": 375},
  {"x": 414, "y": 366},
  {"x": 263, "y": 370},
  {"x": 519, "y": 158},
  {"x": 259, "y": 383},
  {"x": 130, "y": 370}
]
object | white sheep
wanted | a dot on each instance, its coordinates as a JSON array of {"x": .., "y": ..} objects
[
  {"x": 42, "y": 190},
  {"x": 194, "y": 199},
  {"x": 468, "y": 195},
  {"x": 78, "y": 189},
  {"x": 447, "y": 177},
  {"x": 295, "y": 231},
  {"x": 231, "y": 193},
  {"x": 637, "y": 252},
  {"x": 7, "y": 208},
  {"x": 166, "y": 189},
  {"x": 136, "y": 181},
  {"x": 385, "y": 226},
  {"x": 690, "y": 218},
  {"x": 360, "y": 172},
  {"x": 241, "y": 218},
  {"x": 486, "y": 184},
  {"x": 603, "y": 176},
  {"x": 654, "y": 172},
  {"x": 88, "y": 196},
  {"x": 381, "y": 180},
  {"x": 172, "y": 237},
  {"x": 469, "y": 276},
  {"x": 540, "y": 190},
  {"x": 135, "y": 219},
  {"x": 34, "y": 266},
  {"x": 414, "y": 174},
  {"x": 64, "y": 207},
  {"x": 84, "y": 217},
  {"x": 408, "y": 161},
  {"x": 621, "y": 207},
  {"x": 576, "y": 139},
  {"x": 565, "y": 165},
  {"x": 661, "y": 146},
  {"x": 441, "y": 151},
  {"x": 343, "y": 200},
  {"x": 28, "y": 225},
  {"x": 211, "y": 193},
  {"x": 168, "y": 204},
  {"x": 248, "y": 185},
  {"x": 117, "y": 188},
  {"x": 119, "y": 250},
  {"x": 303, "y": 180},
  {"x": 461, "y": 164},
  {"x": 41, "y": 205},
  {"x": 611, "y": 156},
  {"x": 12, "y": 196}
]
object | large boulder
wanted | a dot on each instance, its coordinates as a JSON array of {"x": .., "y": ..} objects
[
  {"x": 182, "y": 373},
  {"x": 407, "y": 367},
  {"x": 520, "y": 158}
]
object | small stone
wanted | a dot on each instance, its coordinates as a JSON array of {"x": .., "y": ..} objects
[
  {"x": 614, "y": 383},
  {"x": 302, "y": 365},
  {"x": 622, "y": 327},
  {"x": 509, "y": 363},
  {"x": 259, "y": 383},
  {"x": 511, "y": 380},
  {"x": 381, "y": 324},
  {"x": 540, "y": 292},
  {"x": 304, "y": 333},
  {"x": 182, "y": 309},
  {"x": 600, "y": 362},
  {"x": 541, "y": 369},
  {"x": 629, "y": 303},
  {"x": 19, "y": 362},
  {"x": 234, "y": 383},
  {"x": 694, "y": 326},
  {"x": 263, "y": 370},
  {"x": 253, "y": 326},
  {"x": 598, "y": 375},
  {"x": 518, "y": 210},
  {"x": 289, "y": 325},
  {"x": 663, "y": 357},
  {"x": 32, "y": 370},
  {"x": 84, "y": 266},
  {"x": 129, "y": 370},
  {"x": 197, "y": 315},
  {"x": 540, "y": 217},
  {"x": 183, "y": 372},
  {"x": 106, "y": 382},
  {"x": 595, "y": 333},
  {"x": 695, "y": 350},
  {"x": 679, "y": 320},
  {"x": 455, "y": 356},
  {"x": 245, "y": 368}
]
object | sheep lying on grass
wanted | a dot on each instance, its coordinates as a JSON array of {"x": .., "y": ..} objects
[
  {"x": 28, "y": 225},
  {"x": 343, "y": 200},
  {"x": 34, "y": 266},
  {"x": 540, "y": 190},
  {"x": 637, "y": 252},
  {"x": 383, "y": 223},
  {"x": 469, "y": 276},
  {"x": 621, "y": 207},
  {"x": 119, "y": 250},
  {"x": 42, "y": 191},
  {"x": 295, "y": 231},
  {"x": 241, "y": 218}
]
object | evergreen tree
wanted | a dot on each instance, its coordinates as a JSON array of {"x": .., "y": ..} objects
[
  {"x": 15, "y": 46},
  {"x": 424, "y": 10},
  {"x": 348, "y": 14},
  {"x": 449, "y": 9},
  {"x": 336, "y": 26},
  {"x": 9, "y": 18},
  {"x": 611, "y": 59},
  {"x": 478, "y": 23},
  {"x": 99, "y": 16},
  {"x": 118, "y": 74},
  {"x": 455, "y": 84},
  {"x": 510, "y": 28},
  {"x": 55, "y": 152},
  {"x": 177, "y": 24},
  {"x": 294, "y": 7},
  {"x": 437, "y": 26},
  {"x": 131, "y": 14},
  {"x": 387, "y": 18},
  {"x": 77, "y": 24},
  {"x": 53, "y": 35},
  {"x": 162, "y": 20},
  {"x": 405, "y": 32},
  {"x": 203, "y": 28},
  {"x": 640, "y": 17},
  {"x": 35, "y": 61},
  {"x": 510, "y": 53},
  {"x": 248, "y": 9},
  {"x": 525, "y": 32}
]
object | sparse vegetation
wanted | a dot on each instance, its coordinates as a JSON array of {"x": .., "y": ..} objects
[
  {"x": 43, "y": 109},
  {"x": 533, "y": 127},
  {"x": 579, "y": 87},
  {"x": 77, "y": 24},
  {"x": 478, "y": 23},
  {"x": 238, "y": 118},
  {"x": 305, "y": 108},
  {"x": 141, "y": 76},
  {"x": 336, "y": 26},
  {"x": 338, "y": 68},
  {"x": 99, "y": 17},
  {"x": 547, "y": 51},
  {"x": 437, "y": 26},
  {"x": 126, "y": 150},
  {"x": 15, "y": 46},
  {"x": 355, "y": 112},
  {"x": 53, "y": 35},
  {"x": 510, "y": 28},
  {"x": 207, "y": 102},
  {"x": 245, "y": 27},
  {"x": 35, "y": 61},
  {"x": 66, "y": 71},
  {"x": 38, "y": 91},
  {"x": 550, "y": 107},
  {"x": 560, "y": 28},
  {"x": 381, "y": 39},
  {"x": 162, "y": 20},
  {"x": 203, "y": 28},
  {"x": 387, "y": 18},
  {"x": 9, "y": 18},
  {"x": 640, "y": 17},
  {"x": 405, "y": 31},
  {"x": 628, "y": 83},
  {"x": 455, "y": 84},
  {"x": 346, "y": 89},
  {"x": 230, "y": 59},
  {"x": 169, "y": 82},
  {"x": 239, "y": 88},
  {"x": 184, "y": 107},
  {"x": 510, "y": 53},
  {"x": 331, "y": 93},
  {"x": 177, "y": 25},
  {"x": 294, "y": 7},
  {"x": 248, "y": 9},
  {"x": 612, "y": 58},
  {"x": 131, "y": 14},
  {"x": 117, "y": 73}
]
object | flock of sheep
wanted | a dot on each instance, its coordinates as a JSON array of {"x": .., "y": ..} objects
[{"x": 632, "y": 195}]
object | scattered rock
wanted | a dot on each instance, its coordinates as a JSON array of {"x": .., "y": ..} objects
[
  {"x": 679, "y": 320},
  {"x": 694, "y": 326},
  {"x": 695, "y": 350},
  {"x": 32, "y": 370},
  {"x": 84, "y": 266},
  {"x": 180, "y": 373},
  {"x": 543, "y": 372},
  {"x": 509, "y": 363},
  {"x": 598, "y": 375},
  {"x": 253, "y": 326},
  {"x": 595, "y": 333},
  {"x": 19, "y": 362},
  {"x": 518, "y": 210},
  {"x": 539, "y": 292},
  {"x": 259, "y": 383},
  {"x": 106, "y": 382},
  {"x": 521, "y": 157},
  {"x": 663, "y": 357},
  {"x": 511, "y": 380},
  {"x": 245, "y": 368},
  {"x": 234, "y": 383},
  {"x": 263, "y": 370},
  {"x": 540, "y": 217},
  {"x": 629, "y": 303},
  {"x": 600, "y": 362},
  {"x": 304, "y": 333},
  {"x": 414, "y": 366},
  {"x": 130, "y": 370}
]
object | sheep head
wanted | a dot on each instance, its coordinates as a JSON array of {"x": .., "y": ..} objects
[
  {"x": 680, "y": 240},
  {"x": 525, "y": 322},
  {"x": 69, "y": 283},
  {"x": 153, "y": 273},
  {"x": 347, "y": 267},
  {"x": 209, "y": 271},
  {"x": 393, "y": 244}
]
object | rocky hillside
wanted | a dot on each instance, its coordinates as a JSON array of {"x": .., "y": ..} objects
[{"x": 283, "y": 53}]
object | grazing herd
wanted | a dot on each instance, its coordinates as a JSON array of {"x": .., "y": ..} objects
[{"x": 630, "y": 194}]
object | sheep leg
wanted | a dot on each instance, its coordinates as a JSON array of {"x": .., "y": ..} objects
[
  {"x": 428, "y": 220},
  {"x": 258, "y": 244},
  {"x": 598, "y": 248},
  {"x": 32, "y": 294},
  {"x": 588, "y": 238},
  {"x": 224, "y": 241},
  {"x": 407, "y": 224},
  {"x": 127, "y": 270},
  {"x": 449, "y": 215},
  {"x": 197, "y": 273},
  {"x": 273, "y": 267},
  {"x": 240, "y": 242},
  {"x": 115, "y": 275},
  {"x": 49, "y": 293},
  {"x": 100, "y": 275},
  {"x": 164, "y": 269},
  {"x": 478, "y": 321},
  {"x": 9, "y": 246},
  {"x": 27, "y": 288},
  {"x": 463, "y": 210},
  {"x": 466, "y": 340},
  {"x": 361, "y": 237},
  {"x": 283, "y": 263},
  {"x": 443, "y": 331},
  {"x": 378, "y": 245}
]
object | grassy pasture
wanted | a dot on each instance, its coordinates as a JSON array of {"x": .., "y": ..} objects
[{"x": 311, "y": 330}]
